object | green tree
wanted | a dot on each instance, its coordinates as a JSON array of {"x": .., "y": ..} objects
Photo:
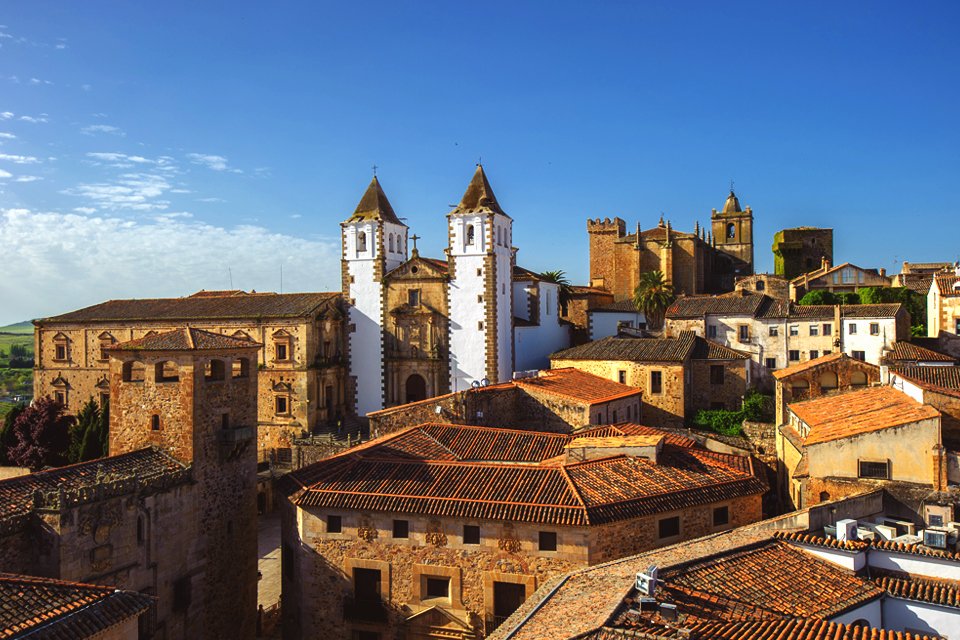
[
  {"x": 819, "y": 296},
  {"x": 848, "y": 298},
  {"x": 88, "y": 436},
  {"x": 7, "y": 438},
  {"x": 913, "y": 302},
  {"x": 560, "y": 278},
  {"x": 653, "y": 296}
]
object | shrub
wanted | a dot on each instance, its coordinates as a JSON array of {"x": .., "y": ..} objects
[{"x": 755, "y": 408}]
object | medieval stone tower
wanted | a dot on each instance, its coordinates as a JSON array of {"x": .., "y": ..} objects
[
  {"x": 193, "y": 395},
  {"x": 480, "y": 292},
  {"x": 733, "y": 234},
  {"x": 374, "y": 242}
]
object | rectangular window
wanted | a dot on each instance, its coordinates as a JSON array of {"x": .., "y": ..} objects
[
  {"x": 814, "y": 354},
  {"x": 794, "y": 329},
  {"x": 282, "y": 405},
  {"x": 480, "y": 325},
  {"x": 614, "y": 415},
  {"x": 60, "y": 397},
  {"x": 471, "y": 534},
  {"x": 437, "y": 588},
  {"x": 771, "y": 363},
  {"x": 859, "y": 355},
  {"x": 853, "y": 329},
  {"x": 479, "y": 272},
  {"x": 827, "y": 352},
  {"x": 61, "y": 352},
  {"x": 711, "y": 331},
  {"x": 366, "y": 585},
  {"x": 479, "y": 298},
  {"x": 721, "y": 516},
  {"x": 656, "y": 382},
  {"x": 548, "y": 541},
  {"x": 716, "y": 374},
  {"x": 744, "y": 333},
  {"x": 668, "y": 527},
  {"x": 774, "y": 332},
  {"x": 793, "y": 355},
  {"x": 828, "y": 329},
  {"x": 814, "y": 329},
  {"x": 622, "y": 376},
  {"x": 401, "y": 528},
  {"x": 413, "y": 297},
  {"x": 154, "y": 422},
  {"x": 874, "y": 328},
  {"x": 868, "y": 469},
  {"x": 282, "y": 351},
  {"x": 334, "y": 524}
]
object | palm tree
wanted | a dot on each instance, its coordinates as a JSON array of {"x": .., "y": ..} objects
[
  {"x": 652, "y": 297},
  {"x": 558, "y": 277}
]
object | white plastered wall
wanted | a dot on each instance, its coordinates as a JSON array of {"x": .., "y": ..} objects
[{"x": 366, "y": 340}]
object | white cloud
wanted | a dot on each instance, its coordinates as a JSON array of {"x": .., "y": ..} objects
[
  {"x": 34, "y": 119},
  {"x": 6, "y": 115},
  {"x": 84, "y": 209},
  {"x": 5, "y": 174},
  {"x": 36, "y": 81},
  {"x": 7, "y": 136},
  {"x": 106, "y": 257},
  {"x": 210, "y": 200},
  {"x": 94, "y": 129},
  {"x": 28, "y": 178},
  {"x": 125, "y": 161},
  {"x": 60, "y": 45},
  {"x": 216, "y": 163},
  {"x": 130, "y": 191},
  {"x": 18, "y": 159}
]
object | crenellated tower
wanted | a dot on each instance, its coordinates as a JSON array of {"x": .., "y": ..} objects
[
  {"x": 374, "y": 241},
  {"x": 481, "y": 257}
]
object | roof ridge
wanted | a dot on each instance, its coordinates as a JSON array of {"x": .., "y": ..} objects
[
  {"x": 438, "y": 443},
  {"x": 576, "y": 492}
]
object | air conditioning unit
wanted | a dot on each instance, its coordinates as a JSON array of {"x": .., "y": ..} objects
[
  {"x": 908, "y": 540},
  {"x": 885, "y": 532},
  {"x": 866, "y": 534},
  {"x": 846, "y": 529},
  {"x": 647, "y": 581},
  {"x": 830, "y": 531},
  {"x": 935, "y": 538}
]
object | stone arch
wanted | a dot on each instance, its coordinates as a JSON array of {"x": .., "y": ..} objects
[
  {"x": 362, "y": 241},
  {"x": 166, "y": 371},
  {"x": 416, "y": 388},
  {"x": 133, "y": 371},
  {"x": 241, "y": 368},
  {"x": 471, "y": 235},
  {"x": 731, "y": 230},
  {"x": 858, "y": 379},
  {"x": 828, "y": 381}
]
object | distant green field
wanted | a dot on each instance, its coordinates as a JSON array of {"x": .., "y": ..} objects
[
  {"x": 20, "y": 327},
  {"x": 8, "y": 340}
]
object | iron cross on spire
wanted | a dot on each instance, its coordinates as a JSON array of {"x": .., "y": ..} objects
[
  {"x": 414, "y": 237},
  {"x": 374, "y": 171},
  {"x": 731, "y": 185}
]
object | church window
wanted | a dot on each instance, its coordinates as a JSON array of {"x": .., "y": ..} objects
[
  {"x": 471, "y": 231},
  {"x": 479, "y": 272},
  {"x": 549, "y": 300},
  {"x": 731, "y": 230},
  {"x": 391, "y": 243},
  {"x": 140, "y": 530},
  {"x": 480, "y": 298},
  {"x": 155, "y": 422},
  {"x": 361, "y": 241},
  {"x": 480, "y": 325},
  {"x": 413, "y": 297}
]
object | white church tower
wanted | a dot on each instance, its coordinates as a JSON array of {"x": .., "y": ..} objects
[
  {"x": 480, "y": 289},
  {"x": 374, "y": 241}
]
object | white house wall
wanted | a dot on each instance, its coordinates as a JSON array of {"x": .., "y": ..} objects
[
  {"x": 533, "y": 345},
  {"x": 605, "y": 323},
  {"x": 504, "y": 293},
  {"x": 915, "y": 564},
  {"x": 366, "y": 348},
  {"x": 872, "y": 346},
  {"x": 872, "y": 612},
  {"x": 923, "y": 617}
]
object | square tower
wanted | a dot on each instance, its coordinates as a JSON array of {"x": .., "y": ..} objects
[
  {"x": 480, "y": 292},
  {"x": 733, "y": 235}
]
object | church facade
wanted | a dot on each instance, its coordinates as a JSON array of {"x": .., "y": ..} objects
[
  {"x": 705, "y": 261},
  {"x": 420, "y": 327}
]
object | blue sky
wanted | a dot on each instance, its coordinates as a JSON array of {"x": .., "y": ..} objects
[{"x": 152, "y": 149}]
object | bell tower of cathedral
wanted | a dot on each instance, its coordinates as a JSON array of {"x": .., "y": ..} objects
[
  {"x": 733, "y": 234},
  {"x": 374, "y": 242},
  {"x": 480, "y": 291}
]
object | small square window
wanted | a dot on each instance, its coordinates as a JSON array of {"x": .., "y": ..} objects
[
  {"x": 479, "y": 298},
  {"x": 721, "y": 516},
  {"x": 814, "y": 329},
  {"x": 774, "y": 331},
  {"x": 814, "y": 354},
  {"x": 401, "y": 528},
  {"x": 471, "y": 534},
  {"x": 668, "y": 527},
  {"x": 548, "y": 541},
  {"x": 282, "y": 351},
  {"x": 334, "y": 524},
  {"x": 760, "y": 285},
  {"x": 878, "y": 470},
  {"x": 437, "y": 588},
  {"x": 61, "y": 352},
  {"x": 744, "y": 333},
  {"x": 874, "y": 328},
  {"x": 828, "y": 329},
  {"x": 413, "y": 297},
  {"x": 794, "y": 329},
  {"x": 60, "y": 397},
  {"x": 716, "y": 374},
  {"x": 794, "y": 355},
  {"x": 859, "y": 355},
  {"x": 853, "y": 329},
  {"x": 622, "y": 376},
  {"x": 771, "y": 363},
  {"x": 479, "y": 272}
]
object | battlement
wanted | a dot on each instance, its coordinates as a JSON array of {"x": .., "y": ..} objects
[{"x": 606, "y": 225}]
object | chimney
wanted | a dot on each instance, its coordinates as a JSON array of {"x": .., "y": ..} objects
[
  {"x": 883, "y": 272},
  {"x": 583, "y": 449},
  {"x": 939, "y": 468},
  {"x": 824, "y": 263}
]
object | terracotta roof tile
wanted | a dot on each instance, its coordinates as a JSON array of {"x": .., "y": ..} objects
[
  {"x": 798, "y": 630},
  {"x": 49, "y": 609},
  {"x": 632, "y": 349},
  {"x": 704, "y": 349},
  {"x": 633, "y": 429},
  {"x": 780, "y": 374},
  {"x": 494, "y": 474},
  {"x": 246, "y": 306},
  {"x": 577, "y": 385},
  {"x": 188, "y": 339},
  {"x": 947, "y": 284},
  {"x": 856, "y": 545},
  {"x": 738, "y": 303},
  {"x": 857, "y": 412},
  {"x": 939, "y": 592},
  {"x": 908, "y": 352},
  {"x": 942, "y": 379},
  {"x": 623, "y": 306}
]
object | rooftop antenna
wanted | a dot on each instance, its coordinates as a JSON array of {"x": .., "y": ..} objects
[
  {"x": 281, "y": 277},
  {"x": 230, "y": 271}
]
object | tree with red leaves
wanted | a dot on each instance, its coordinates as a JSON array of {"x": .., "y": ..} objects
[{"x": 42, "y": 435}]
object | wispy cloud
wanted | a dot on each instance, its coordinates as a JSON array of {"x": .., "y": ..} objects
[
  {"x": 35, "y": 119},
  {"x": 27, "y": 178},
  {"x": 108, "y": 257},
  {"x": 7, "y": 136},
  {"x": 5, "y": 174},
  {"x": 7, "y": 157},
  {"x": 6, "y": 115},
  {"x": 214, "y": 162},
  {"x": 210, "y": 200},
  {"x": 36, "y": 81},
  {"x": 94, "y": 129},
  {"x": 165, "y": 164},
  {"x": 130, "y": 192},
  {"x": 84, "y": 210}
]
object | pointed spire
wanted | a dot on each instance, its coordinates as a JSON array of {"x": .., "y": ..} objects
[
  {"x": 732, "y": 205},
  {"x": 696, "y": 228},
  {"x": 661, "y": 221},
  {"x": 479, "y": 198},
  {"x": 374, "y": 205}
]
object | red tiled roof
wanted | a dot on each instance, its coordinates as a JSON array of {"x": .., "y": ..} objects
[
  {"x": 946, "y": 282},
  {"x": 937, "y": 378},
  {"x": 780, "y": 374},
  {"x": 798, "y": 630},
  {"x": 188, "y": 339},
  {"x": 45, "y": 608},
  {"x": 855, "y": 545},
  {"x": 704, "y": 349},
  {"x": 632, "y": 349},
  {"x": 16, "y": 494},
  {"x": 578, "y": 385},
  {"x": 489, "y": 473},
  {"x": 803, "y": 537},
  {"x": 939, "y": 592},
  {"x": 908, "y": 352},
  {"x": 633, "y": 429},
  {"x": 252, "y": 306},
  {"x": 857, "y": 412},
  {"x": 735, "y": 304}
]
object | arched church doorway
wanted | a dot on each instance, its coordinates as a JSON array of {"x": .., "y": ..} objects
[{"x": 416, "y": 388}]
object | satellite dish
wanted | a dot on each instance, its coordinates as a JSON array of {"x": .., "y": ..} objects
[
  {"x": 484, "y": 382},
  {"x": 475, "y": 384},
  {"x": 438, "y": 410}
]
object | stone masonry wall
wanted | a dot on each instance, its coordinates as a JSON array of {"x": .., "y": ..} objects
[{"x": 704, "y": 393}]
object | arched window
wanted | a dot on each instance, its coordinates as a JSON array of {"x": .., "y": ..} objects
[
  {"x": 241, "y": 368},
  {"x": 361, "y": 241},
  {"x": 133, "y": 371},
  {"x": 166, "y": 372},
  {"x": 800, "y": 385},
  {"x": 470, "y": 235},
  {"x": 858, "y": 379},
  {"x": 828, "y": 381},
  {"x": 214, "y": 370},
  {"x": 390, "y": 243},
  {"x": 731, "y": 230},
  {"x": 500, "y": 236}
]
